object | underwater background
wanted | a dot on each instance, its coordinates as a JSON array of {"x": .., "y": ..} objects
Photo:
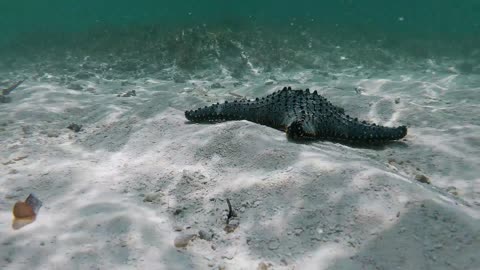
[
  {"x": 427, "y": 19},
  {"x": 93, "y": 96},
  {"x": 273, "y": 28}
]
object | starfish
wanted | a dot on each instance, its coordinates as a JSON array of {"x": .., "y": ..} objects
[{"x": 302, "y": 115}]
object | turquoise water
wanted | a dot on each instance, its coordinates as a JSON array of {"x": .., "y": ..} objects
[
  {"x": 188, "y": 33},
  {"x": 137, "y": 170},
  {"x": 444, "y": 18}
]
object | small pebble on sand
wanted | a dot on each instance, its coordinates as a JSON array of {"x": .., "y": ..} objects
[
  {"x": 183, "y": 240},
  {"x": 422, "y": 179}
]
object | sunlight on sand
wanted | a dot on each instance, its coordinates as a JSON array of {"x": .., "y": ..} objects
[{"x": 117, "y": 193}]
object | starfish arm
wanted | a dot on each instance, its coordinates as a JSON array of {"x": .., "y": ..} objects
[
  {"x": 264, "y": 111},
  {"x": 357, "y": 131},
  {"x": 221, "y": 112},
  {"x": 349, "y": 129}
]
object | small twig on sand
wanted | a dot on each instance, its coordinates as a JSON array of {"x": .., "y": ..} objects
[
  {"x": 232, "y": 223},
  {"x": 11, "y": 88},
  {"x": 231, "y": 213}
]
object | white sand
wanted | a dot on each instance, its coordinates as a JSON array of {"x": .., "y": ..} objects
[{"x": 300, "y": 206}]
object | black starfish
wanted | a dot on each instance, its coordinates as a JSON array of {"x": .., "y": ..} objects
[{"x": 303, "y": 115}]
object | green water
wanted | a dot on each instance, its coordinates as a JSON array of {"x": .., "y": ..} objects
[
  {"x": 268, "y": 33},
  {"x": 456, "y": 19}
]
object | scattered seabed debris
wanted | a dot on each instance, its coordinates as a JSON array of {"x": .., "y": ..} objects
[
  {"x": 4, "y": 93},
  {"x": 25, "y": 212}
]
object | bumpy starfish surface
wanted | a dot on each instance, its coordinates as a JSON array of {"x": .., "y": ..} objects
[{"x": 303, "y": 115}]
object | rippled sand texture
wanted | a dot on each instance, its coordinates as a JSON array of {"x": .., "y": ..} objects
[{"x": 116, "y": 194}]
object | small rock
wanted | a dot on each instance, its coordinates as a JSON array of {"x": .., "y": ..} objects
[
  {"x": 217, "y": 85},
  {"x": 83, "y": 75},
  {"x": 177, "y": 211},
  {"x": 273, "y": 244},
  {"x": 227, "y": 256},
  {"x": 8, "y": 162},
  {"x": 52, "y": 134},
  {"x": 125, "y": 83},
  {"x": 27, "y": 130},
  {"x": 452, "y": 190},
  {"x": 88, "y": 65},
  {"x": 262, "y": 266},
  {"x": 75, "y": 127},
  {"x": 152, "y": 197},
  {"x": 178, "y": 229},
  {"x": 422, "y": 179},
  {"x": 127, "y": 65},
  {"x": 90, "y": 89},
  {"x": 5, "y": 99},
  {"x": 359, "y": 90},
  {"x": 207, "y": 236},
  {"x": 179, "y": 78},
  {"x": 20, "y": 158},
  {"x": 397, "y": 100},
  {"x": 182, "y": 240},
  {"x": 75, "y": 86},
  {"x": 232, "y": 225},
  {"x": 269, "y": 82},
  {"x": 131, "y": 93},
  {"x": 123, "y": 243},
  {"x": 298, "y": 231}
]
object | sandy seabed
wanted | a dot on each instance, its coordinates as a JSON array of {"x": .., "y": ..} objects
[{"x": 137, "y": 176}]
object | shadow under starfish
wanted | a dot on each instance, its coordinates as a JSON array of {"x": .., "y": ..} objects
[{"x": 303, "y": 115}]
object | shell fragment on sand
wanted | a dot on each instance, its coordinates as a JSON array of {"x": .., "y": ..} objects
[{"x": 25, "y": 212}]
